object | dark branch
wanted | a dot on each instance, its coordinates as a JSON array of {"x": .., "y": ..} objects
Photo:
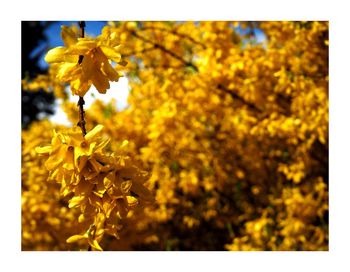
[
  {"x": 175, "y": 33},
  {"x": 81, "y": 122},
  {"x": 81, "y": 101},
  {"x": 161, "y": 47},
  {"x": 237, "y": 97}
]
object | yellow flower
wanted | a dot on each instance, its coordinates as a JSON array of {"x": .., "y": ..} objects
[
  {"x": 72, "y": 155},
  {"x": 102, "y": 184},
  {"x": 93, "y": 235},
  {"x": 95, "y": 67}
]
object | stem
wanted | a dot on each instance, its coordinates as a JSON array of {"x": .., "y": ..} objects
[
  {"x": 81, "y": 122},
  {"x": 81, "y": 101}
]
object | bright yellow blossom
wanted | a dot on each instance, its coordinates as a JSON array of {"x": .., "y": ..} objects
[
  {"x": 105, "y": 186},
  {"x": 95, "y": 67}
]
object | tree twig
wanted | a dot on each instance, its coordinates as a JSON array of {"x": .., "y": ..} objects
[
  {"x": 81, "y": 101},
  {"x": 161, "y": 47},
  {"x": 176, "y": 33}
]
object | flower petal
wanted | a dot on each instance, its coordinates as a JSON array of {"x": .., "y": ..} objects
[
  {"x": 76, "y": 238},
  {"x": 100, "y": 82},
  {"x": 111, "y": 53},
  {"x": 68, "y": 71},
  {"x": 53, "y": 162},
  {"x": 132, "y": 201},
  {"x": 81, "y": 47},
  {"x": 95, "y": 245},
  {"x": 56, "y": 54},
  {"x": 109, "y": 71},
  {"x": 125, "y": 186},
  {"x": 91, "y": 135},
  {"x": 43, "y": 150},
  {"x": 68, "y": 36},
  {"x": 76, "y": 201}
]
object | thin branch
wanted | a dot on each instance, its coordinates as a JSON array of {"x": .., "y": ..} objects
[
  {"x": 81, "y": 101},
  {"x": 237, "y": 97},
  {"x": 161, "y": 47},
  {"x": 174, "y": 32},
  {"x": 144, "y": 50},
  {"x": 81, "y": 122}
]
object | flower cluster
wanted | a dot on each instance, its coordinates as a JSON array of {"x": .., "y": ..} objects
[
  {"x": 86, "y": 61},
  {"x": 104, "y": 186},
  {"x": 46, "y": 219}
]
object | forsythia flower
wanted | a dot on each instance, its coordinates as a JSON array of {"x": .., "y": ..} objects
[
  {"x": 105, "y": 186},
  {"x": 94, "y": 68}
]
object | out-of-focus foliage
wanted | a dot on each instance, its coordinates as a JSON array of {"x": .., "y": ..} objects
[
  {"x": 34, "y": 104},
  {"x": 233, "y": 132}
]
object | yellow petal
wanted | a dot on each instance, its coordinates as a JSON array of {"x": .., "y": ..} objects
[
  {"x": 100, "y": 82},
  {"x": 69, "y": 159},
  {"x": 93, "y": 133},
  {"x": 111, "y": 53},
  {"x": 125, "y": 186},
  {"x": 56, "y": 55},
  {"x": 68, "y": 71},
  {"x": 108, "y": 181},
  {"x": 124, "y": 144},
  {"x": 76, "y": 201},
  {"x": 68, "y": 36},
  {"x": 100, "y": 188},
  {"x": 43, "y": 150},
  {"x": 92, "y": 148},
  {"x": 80, "y": 161},
  {"x": 76, "y": 238},
  {"x": 88, "y": 67},
  {"x": 81, "y": 218},
  {"x": 81, "y": 47},
  {"x": 96, "y": 165},
  {"x": 102, "y": 144},
  {"x": 53, "y": 162},
  {"x": 109, "y": 71},
  {"x": 99, "y": 194},
  {"x": 95, "y": 245},
  {"x": 80, "y": 87},
  {"x": 132, "y": 201}
]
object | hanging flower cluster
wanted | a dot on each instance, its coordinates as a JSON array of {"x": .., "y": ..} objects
[{"x": 104, "y": 186}]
